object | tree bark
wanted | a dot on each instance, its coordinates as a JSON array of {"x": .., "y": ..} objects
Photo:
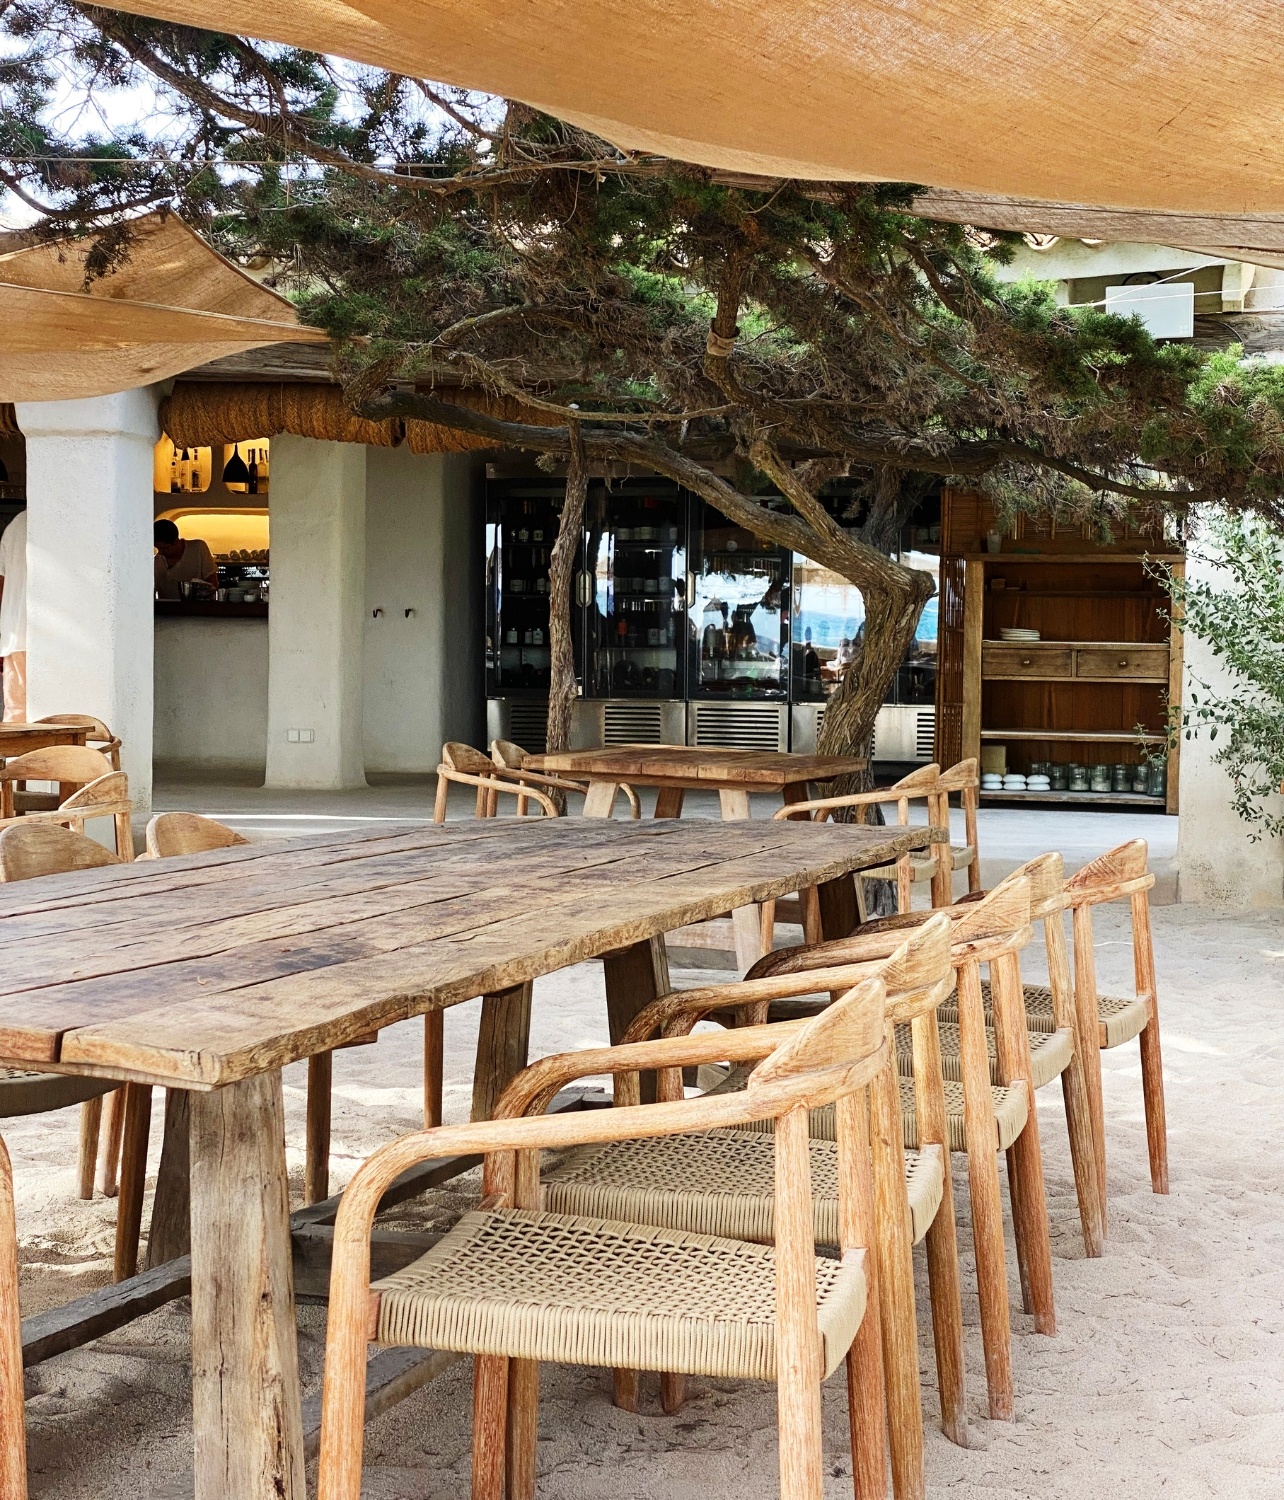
[{"x": 561, "y": 586}]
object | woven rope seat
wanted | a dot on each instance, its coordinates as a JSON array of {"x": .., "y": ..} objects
[
  {"x": 1118, "y": 1019},
  {"x": 1050, "y": 1054},
  {"x": 588, "y": 1291},
  {"x": 720, "y": 1182},
  {"x": 1009, "y": 1102},
  {"x": 23, "y": 1092}
]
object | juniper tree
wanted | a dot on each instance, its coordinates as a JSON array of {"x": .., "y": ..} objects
[{"x": 750, "y": 340}]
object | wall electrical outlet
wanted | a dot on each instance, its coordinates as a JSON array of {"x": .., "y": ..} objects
[{"x": 300, "y": 736}]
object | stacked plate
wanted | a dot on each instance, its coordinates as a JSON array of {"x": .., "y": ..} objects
[
  {"x": 991, "y": 781},
  {"x": 1038, "y": 783},
  {"x": 1012, "y": 633},
  {"x": 1014, "y": 782}
]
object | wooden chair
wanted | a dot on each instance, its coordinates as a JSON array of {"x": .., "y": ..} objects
[
  {"x": 512, "y": 758},
  {"x": 26, "y": 853},
  {"x": 514, "y": 1286},
  {"x": 173, "y": 833},
  {"x": 98, "y": 790},
  {"x": 1122, "y": 873},
  {"x": 920, "y": 784},
  {"x": 461, "y": 763},
  {"x": 1056, "y": 1050},
  {"x": 13, "y": 1415},
  {"x": 721, "y": 1183},
  {"x": 98, "y": 736},
  {"x": 982, "y": 1117}
]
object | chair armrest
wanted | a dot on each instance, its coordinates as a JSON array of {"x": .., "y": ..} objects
[
  {"x": 494, "y": 784},
  {"x": 853, "y": 799}
]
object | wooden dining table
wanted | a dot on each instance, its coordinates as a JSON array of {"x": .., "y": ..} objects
[
  {"x": 18, "y": 739},
  {"x": 209, "y": 973},
  {"x": 675, "y": 770}
]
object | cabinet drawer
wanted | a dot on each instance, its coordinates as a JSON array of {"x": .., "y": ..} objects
[
  {"x": 1147, "y": 663},
  {"x": 999, "y": 659}
]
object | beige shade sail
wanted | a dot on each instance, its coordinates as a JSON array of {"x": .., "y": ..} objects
[
  {"x": 173, "y": 303},
  {"x": 1164, "y": 104}
]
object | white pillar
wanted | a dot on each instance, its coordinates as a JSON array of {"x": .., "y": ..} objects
[
  {"x": 1217, "y": 863},
  {"x": 89, "y": 567},
  {"x": 315, "y": 614}
]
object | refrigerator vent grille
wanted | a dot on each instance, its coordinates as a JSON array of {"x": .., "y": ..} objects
[
  {"x": 632, "y": 724},
  {"x": 925, "y": 735},
  {"x": 738, "y": 726},
  {"x": 528, "y": 725}
]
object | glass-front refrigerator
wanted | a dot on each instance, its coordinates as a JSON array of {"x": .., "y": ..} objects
[
  {"x": 521, "y": 527},
  {"x": 633, "y": 591},
  {"x": 739, "y": 603}
]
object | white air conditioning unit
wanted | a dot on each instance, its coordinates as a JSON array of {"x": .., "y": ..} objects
[
  {"x": 904, "y": 732},
  {"x": 1166, "y": 308}
]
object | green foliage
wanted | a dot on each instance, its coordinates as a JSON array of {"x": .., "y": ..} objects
[{"x": 1244, "y": 625}]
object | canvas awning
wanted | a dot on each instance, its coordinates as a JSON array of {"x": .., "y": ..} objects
[
  {"x": 1126, "y": 103},
  {"x": 173, "y": 303}
]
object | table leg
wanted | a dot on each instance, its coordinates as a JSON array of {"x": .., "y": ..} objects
[
  {"x": 171, "y": 1230},
  {"x": 668, "y": 802},
  {"x": 746, "y": 921},
  {"x": 246, "y": 1410},
  {"x": 502, "y": 1045},
  {"x": 599, "y": 800},
  {"x": 836, "y": 900},
  {"x": 634, "y": 977}
]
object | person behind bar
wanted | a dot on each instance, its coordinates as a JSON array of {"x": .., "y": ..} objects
[
  {"x": 13, "y": 617},
  {"x": 179, "y": 561}
]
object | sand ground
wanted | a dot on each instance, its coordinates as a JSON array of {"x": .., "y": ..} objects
[{"x": 1164, "y": 1379}]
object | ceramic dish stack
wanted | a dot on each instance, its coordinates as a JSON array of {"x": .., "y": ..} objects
[
  {"x": 991, "y": 781},
  {"x": 1038, "y": 783},
  {"x": 1014, "y": 781},
  {"x": 1018, "y": 635}
]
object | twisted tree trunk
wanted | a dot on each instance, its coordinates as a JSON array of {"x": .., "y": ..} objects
[{"x": 561, "y": 585}]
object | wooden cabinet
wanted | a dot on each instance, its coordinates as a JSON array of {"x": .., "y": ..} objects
[{"x": 1095, "y": 689}]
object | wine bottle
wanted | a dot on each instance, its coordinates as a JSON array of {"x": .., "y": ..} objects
[{"x": 252, "y": 488}]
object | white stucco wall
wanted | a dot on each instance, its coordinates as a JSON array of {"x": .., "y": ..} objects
[
  {"x": 89, "y": 567},
  {"x": 423, "y": 670},
  {"x": 317, "y": 512},
  {"x": 211, "y": 694},
  {"x": 1218, "y": 865}
]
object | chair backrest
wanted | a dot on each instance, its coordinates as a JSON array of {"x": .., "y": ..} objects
[
  {"x": 461, "y": 757},
  {"x": 1003, "y": 915},
  {"x": 73, "y": 765},
  {"x": 1047, "y": 878},
  {"x": 171, "y": 834},
  {"x": 1119, "y": 872},
  {"x": 105, "y": 793},
  {"x": 48, "y": 849},
  {"x": 836, "y": 1052},
  {"x": 505, "y": 753}
]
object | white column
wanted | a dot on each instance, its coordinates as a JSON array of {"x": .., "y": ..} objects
[
  {"x": 89, "y": 567},
  {"x": 318, "y": 520},
  {"x": 1217, "y": 863}
]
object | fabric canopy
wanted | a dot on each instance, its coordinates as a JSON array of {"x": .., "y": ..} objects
[
  {"x": 173, "y": 303},
  {"x": 1164, "y": 104}
]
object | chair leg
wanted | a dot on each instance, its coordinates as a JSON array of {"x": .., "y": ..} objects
[
  {"x": 133, "y": 1176},
  {"x": 1152, "y": 1064},
  {"x": 673, "y": 1392},
  {"x": 893, "y": 1247},
  {"x": 1085, "y": 1005},
  {"x": 767, "y": 913},
  {"x": 942, "y": 1237},
  {"x": 124, "y": 836},
  {"x": 1023, "y": 1260},
  {"x": 523, "y": 1427},
  {"x": 434, "y": 1065},
  {"x": 13, "y": 1450},
  {"x": 490, "y": 1422},
  {"x": 797, "y": 1336},
  {"x": 983, "y": 1189},
  {"x": 316, "y": 1168},
  {"x": 866, "y": 1398},
  {"x": 626, "y": 1389},
  {"x": 1074, "y": 1090},
  {"x": 113, "y": 1128},
  {"x": 91, "y": 1114}
]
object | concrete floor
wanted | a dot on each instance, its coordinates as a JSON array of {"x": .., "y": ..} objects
[{"x": 1008, "y": 836}]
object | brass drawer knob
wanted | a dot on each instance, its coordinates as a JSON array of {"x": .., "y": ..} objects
[
  {"x": 1025, "y": 661},
  {"x": 1123, "y": 663}
]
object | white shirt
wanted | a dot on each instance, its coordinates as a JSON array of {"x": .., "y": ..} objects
[{"x": 13, "y": 569}]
